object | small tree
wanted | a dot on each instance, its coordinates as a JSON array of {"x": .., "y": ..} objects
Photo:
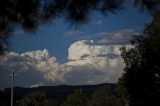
[
  {"x": 75, "y": 99},
  {"x": 104, "y": 96},
  {"x": 34, "y": 99}
]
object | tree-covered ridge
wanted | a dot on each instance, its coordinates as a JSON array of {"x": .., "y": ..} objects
[{"x": 67, "y": 95}]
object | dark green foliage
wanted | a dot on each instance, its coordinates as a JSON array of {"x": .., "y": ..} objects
[
  {"x": 2, "y": 48},
  {"x": 56, "y": 95},
  {"x": 34, "y": 99},
  {"x": 104, "y": 96},
  {"x": 75, "y": 99},
  {"x": 151, "y": 5},
  {"x": 141, "y": 80},
  {"x": 29, "y": 14},
  {"x": 122, "y": 92},
  {"x": 78, "y": 11},
  {"x": 17, "y": 13}
]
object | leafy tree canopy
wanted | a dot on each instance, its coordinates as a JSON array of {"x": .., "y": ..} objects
[
  {"x": 141, "y": 78},
  {"x": 75, "y": 99},
  {"x": 29, "y": 14},
  {"x": 34, "y": 99},
  {"x": 104, "y": 96}
]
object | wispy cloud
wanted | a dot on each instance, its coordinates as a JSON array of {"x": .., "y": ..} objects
[
  {"x": 120, "y": 36},
  {"x": 73, "y": 33},
  {"x": 97, "y": 22},
  {"x": 120, "y": 33},
  {"x": 17, "y": 33}
]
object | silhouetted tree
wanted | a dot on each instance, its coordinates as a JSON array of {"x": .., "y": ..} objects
[
  {"x": 29, "y": 14},
  {"x": 104, "y": 96},
  {"x": 152, "y": 6},
  {"x": 141, "y": 78},
  {"x": 122, "y": 92},
  {"x": 34, "y": 99},
  {"x": 77, "y": 98}
]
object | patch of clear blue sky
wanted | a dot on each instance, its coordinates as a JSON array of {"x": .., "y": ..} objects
[{"x": 51, "y": 36}]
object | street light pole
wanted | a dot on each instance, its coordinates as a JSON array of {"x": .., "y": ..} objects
[{"x": 12, "y": 88}]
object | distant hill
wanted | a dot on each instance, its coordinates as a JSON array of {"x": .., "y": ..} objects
[{"x": 55, "y": 93}]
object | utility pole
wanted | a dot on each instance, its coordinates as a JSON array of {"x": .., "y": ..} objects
[{"x": 12, "y": 88}]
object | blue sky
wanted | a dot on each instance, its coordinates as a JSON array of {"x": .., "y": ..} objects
[
  {"x": 54, "y": 37},
  {"x": 89, "y": 62}
]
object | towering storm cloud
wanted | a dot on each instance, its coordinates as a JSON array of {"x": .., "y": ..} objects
[{"x": 88, "y": 63}]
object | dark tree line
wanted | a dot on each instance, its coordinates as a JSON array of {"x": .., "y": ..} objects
[
  {"x": 35, "y": 99},
  {"x": 140, "y": 83},
  {"x": 103, "y": 96}
]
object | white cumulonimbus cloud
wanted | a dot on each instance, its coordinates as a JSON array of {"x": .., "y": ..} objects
[{"x": 88, "y": 63}]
